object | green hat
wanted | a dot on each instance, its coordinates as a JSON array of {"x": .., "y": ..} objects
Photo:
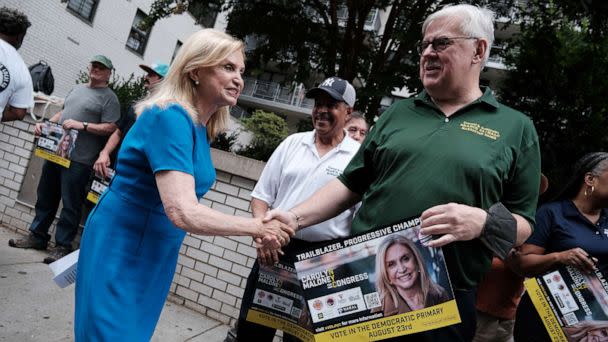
[{"x": 103, "y": 60}]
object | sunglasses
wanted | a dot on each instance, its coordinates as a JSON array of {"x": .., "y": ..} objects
[{"x": 438, "y": 44}]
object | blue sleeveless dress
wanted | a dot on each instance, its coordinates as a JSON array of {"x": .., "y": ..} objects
[{"x": 129, "y": 249}]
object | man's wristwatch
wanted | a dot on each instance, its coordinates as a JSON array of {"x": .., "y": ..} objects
[{"x": 85, "y": 125}]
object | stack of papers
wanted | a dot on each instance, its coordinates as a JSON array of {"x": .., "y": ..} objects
[{"x": 64, "y": 269}]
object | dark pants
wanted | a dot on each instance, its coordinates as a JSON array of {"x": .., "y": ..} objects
[
  {"x": 529, "y": 326},
  {"x": 461, "y": 332},
  {"x": 58, "y": 183}
]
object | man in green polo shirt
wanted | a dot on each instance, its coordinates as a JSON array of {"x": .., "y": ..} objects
[{"x": 469, "y": 164}]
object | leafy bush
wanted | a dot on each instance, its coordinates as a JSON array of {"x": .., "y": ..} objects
[
  {"x": 268, "y": 131},
  {"x": 305, "y": 125},
  {"x": 224, "y": 141}
]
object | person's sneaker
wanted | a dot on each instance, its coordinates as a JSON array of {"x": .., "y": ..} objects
[
  {"x": 57, "y": 253},
  {"x": 30, "y": 241}
]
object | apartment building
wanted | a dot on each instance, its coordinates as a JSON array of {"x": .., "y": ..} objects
[{"x": 67, "y": 33}]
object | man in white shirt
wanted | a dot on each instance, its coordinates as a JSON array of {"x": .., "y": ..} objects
[
  {"x": 16, "y": 90},
  {"x": 303, "y": 163}
]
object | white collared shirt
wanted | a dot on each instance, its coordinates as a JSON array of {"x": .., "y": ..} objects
[{"x": 295, "y": 171}]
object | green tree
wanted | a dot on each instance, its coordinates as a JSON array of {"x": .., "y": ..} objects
[
  {"x": 304, "y": 125},
  {"x": 268, "y": 131},
  {"x": 311, "y": 38},
  {"x": 558, "y": 77}
]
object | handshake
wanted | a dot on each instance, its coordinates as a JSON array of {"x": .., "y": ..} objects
[{"x": 275, "y": 231}]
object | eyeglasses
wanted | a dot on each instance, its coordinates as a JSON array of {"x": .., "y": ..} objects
[
  {"x": 438, "y": 44},
  {"x": 353, "y": 130}
]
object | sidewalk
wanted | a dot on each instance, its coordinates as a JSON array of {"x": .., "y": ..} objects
[{"x": 33, "y": 308}]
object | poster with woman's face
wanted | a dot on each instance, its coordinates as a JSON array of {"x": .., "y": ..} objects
[
  {"x": 383, "y": 273},
  {"x": 55, "y": 143}
]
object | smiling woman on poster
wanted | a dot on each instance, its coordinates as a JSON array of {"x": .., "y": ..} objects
[
  {"x": 402, "y": 280},
  {"x": 65, "y": 144}
]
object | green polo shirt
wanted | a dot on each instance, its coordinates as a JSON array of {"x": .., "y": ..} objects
[{"x": 415, "y": 158}]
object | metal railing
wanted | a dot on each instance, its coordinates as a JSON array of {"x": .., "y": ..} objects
[{"x": 273, "y": 91}]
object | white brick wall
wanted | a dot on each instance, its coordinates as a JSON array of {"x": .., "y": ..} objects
[
  {"x": 214, "y": 269},
  {"x": 66, "y": 42},
  {"x": 211, "y": 271}
]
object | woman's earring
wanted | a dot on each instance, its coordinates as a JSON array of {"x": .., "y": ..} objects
[
  {"x": 196, "y": 82},
  {"x": 592, "y": 188}
]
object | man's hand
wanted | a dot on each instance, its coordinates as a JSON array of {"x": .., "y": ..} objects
[
  {"x": 101, "y": 164},
  {"x": 274, "y": 233},
  {"x": 38, "y": 129},
  {"x": 267, "y": 256},
  {"x": 286, "y": 217},
  {"x": 73, "y": 124},
  {"x": 452, "y": 222}
]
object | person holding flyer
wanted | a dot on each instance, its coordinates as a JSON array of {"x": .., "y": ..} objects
[
  {"x": 467, "y": 164},
  {"x": 402, "y": 279},
  {"x": 92, "y": 109},
  {"x": 132, "y": 238},
  {"x": 154, "y": 74},
  {"x": 303, "y": 163},
  {"x": 571, "y": 230}
]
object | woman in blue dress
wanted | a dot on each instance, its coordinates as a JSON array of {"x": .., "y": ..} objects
[
  {"x": 573, "y": 230},
  {"x": 131, "y": 240}
]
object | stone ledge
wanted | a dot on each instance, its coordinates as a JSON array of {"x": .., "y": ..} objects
[{"x": 237, "y": 165}]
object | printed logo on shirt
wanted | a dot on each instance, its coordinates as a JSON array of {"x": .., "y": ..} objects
[
  {"x": 480, "y": 130},
  {"x": 5, "y": 77},
  {"x": 332, "y": 171}
]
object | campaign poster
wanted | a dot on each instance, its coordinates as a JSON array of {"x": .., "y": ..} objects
[
  {"x": 99, "y": 184},
  {"x": 279, "y": 303},
  {"x": 56, "y": 144},
  {"x": 573, "y": 305},
  {"x": 380, "y": 284}
]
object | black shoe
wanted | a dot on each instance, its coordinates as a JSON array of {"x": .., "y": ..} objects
[
  {"x": 231, "y": 335},
  {"x": 57, "y": 253},
  {"x": 31, "y": 241}
]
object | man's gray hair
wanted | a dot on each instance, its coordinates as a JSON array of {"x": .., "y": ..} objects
[{"x": 475, "y": 22}]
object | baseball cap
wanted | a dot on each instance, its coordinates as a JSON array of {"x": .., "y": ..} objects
[
  {"x": 160, "y": 69},
  {"x": 337, "y": 88},
  {"x": 103, "y": 60}
]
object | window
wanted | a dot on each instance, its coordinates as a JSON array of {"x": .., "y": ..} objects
[
  {"x": 85, "y": 9},
  {"x": 178, "y": 45},
  {"x": 138, "y": 38}
]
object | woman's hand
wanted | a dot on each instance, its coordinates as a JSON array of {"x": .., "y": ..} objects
[
  {"x": 578, "y": 258},
  {"x": 274, "y": 233},
  {"x": 287, "y": 217}
]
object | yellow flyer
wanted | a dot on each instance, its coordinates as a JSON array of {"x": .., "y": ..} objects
[
  {"x": 380, "y": 284},
  {"x": 56, "y": 144},
  {"x": 99, "y": 185},
  {"x": 572, "y": 305}
]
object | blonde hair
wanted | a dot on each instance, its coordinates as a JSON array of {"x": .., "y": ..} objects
[
  {"x": 205, "y": 48},
  {"x": 383, "y": 285}
]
